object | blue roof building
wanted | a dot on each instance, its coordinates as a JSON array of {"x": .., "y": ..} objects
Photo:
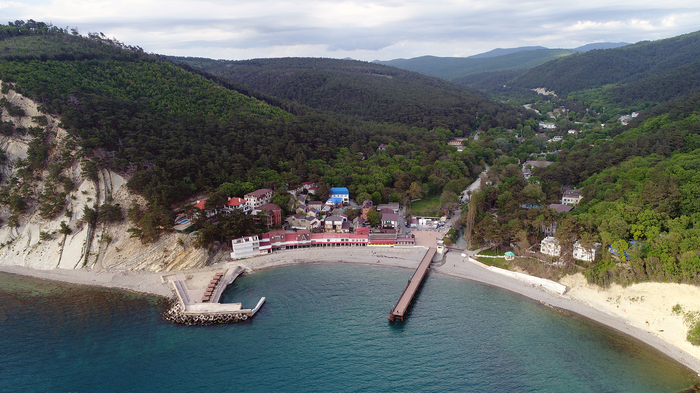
[{"x": 342, "y": 193}]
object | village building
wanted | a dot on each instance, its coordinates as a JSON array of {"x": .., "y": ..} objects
[
  {"x": 336, "y": 224},
  {"x": 366, "y": 208},
  {"x": 583, "y": 254},
  {"x": 550, "y": 246},
  {"x": 561, "y": 208},
  {"x": 237, "y": 203},
  {"x": 571, "y": 197},
  {"x": 390, "y": 220},
  {"x": 529, "y": 165},
  {"x": 302, "y": 221},
  {"x": 270, "y": 212},
  {"x": 457, "y": 142},
  {"x": 201, "y": 205},
  {"x": 258, "y": 198},
  {"x": 394, "y": 206}
]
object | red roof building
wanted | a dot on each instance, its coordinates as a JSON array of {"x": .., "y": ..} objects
[{"x": 237, "y": 203}]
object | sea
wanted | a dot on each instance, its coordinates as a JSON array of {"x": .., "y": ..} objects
[{"x": 323, "y": 328}]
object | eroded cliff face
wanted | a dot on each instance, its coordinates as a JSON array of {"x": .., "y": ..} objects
[{"x": 30, "y": 240}]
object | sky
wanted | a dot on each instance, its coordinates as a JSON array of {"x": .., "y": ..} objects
[{"x": 361, "y": 29}]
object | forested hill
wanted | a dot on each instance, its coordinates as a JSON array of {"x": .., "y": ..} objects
[
  {"x": 177, "y": 133},
  {"x": 367, "y": 91},
  {"x": 621, "y": 66}
]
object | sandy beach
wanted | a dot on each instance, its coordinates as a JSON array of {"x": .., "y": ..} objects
[{"x": 642, "y": 311}]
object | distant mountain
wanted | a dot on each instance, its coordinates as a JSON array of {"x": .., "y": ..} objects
[
  {"x": 450, "y": 68},
  {"x": 502, "y": 52},
  {"x": 601, "y": 45},
  {"x": 366, "y": 91},
  {"x": 521, "y": 58}
]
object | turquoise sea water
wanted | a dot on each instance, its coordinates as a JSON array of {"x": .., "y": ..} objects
[{"x": 324, "y": 328}]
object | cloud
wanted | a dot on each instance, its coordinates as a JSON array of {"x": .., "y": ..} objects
[{"x": 362, "y": 29}]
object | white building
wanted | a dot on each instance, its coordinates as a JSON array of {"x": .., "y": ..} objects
[
  {"x": 582, "y": 254},
  {"x": 550, "y": 246},
  {"x": 571, "y": 197},
  {"x": 245, "y": 247}
]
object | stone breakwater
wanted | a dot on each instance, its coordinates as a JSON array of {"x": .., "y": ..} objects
[{"x": 177, "y": 314}]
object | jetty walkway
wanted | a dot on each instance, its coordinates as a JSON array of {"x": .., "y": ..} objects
[
  {"x": 201, "y": 305},
  {"x": 410, "y": 291}
]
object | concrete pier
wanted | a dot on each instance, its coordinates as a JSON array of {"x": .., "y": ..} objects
[{"x": 410, "y": 291}]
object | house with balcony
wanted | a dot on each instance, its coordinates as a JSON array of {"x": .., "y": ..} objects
[{"x": 258, "y": 198}]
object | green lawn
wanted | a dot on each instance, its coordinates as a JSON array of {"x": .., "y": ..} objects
[{"x": 427, "y": 206}]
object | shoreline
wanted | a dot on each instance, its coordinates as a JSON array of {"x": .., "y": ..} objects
[{"x": 150, "y": 283}]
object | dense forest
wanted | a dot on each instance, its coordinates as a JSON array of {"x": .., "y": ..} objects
[{"x": 367, "y": 91}]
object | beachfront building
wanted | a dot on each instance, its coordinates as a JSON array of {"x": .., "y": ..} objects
[
  {"x": 342, "y": 193},
  {"x": 550, "y": 246},
  {"x": 245, "y": 247},
  {"x": 571, "y": 197},
  {"x": 258, "y": 198},
  {"x": 583, "y": 254}
]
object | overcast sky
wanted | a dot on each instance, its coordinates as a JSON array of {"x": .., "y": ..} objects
[{"x": 361, "y": 29}]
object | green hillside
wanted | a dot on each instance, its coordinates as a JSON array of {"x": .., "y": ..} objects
[
  {"x": 621, "y": 65},
  {"x": 451, "y": 68},
  {"x": 367, "y": 91}
]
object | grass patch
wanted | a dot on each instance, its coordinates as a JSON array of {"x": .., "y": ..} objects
[
  {"x": 498, "y": 262},
  {"x": 427, "y": 206}
]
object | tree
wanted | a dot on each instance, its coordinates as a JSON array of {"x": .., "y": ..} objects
[
  {"x": 64, "y": 230},
  {"x": 415, "y": 191},
  {"x": 374, "y": 217}
]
